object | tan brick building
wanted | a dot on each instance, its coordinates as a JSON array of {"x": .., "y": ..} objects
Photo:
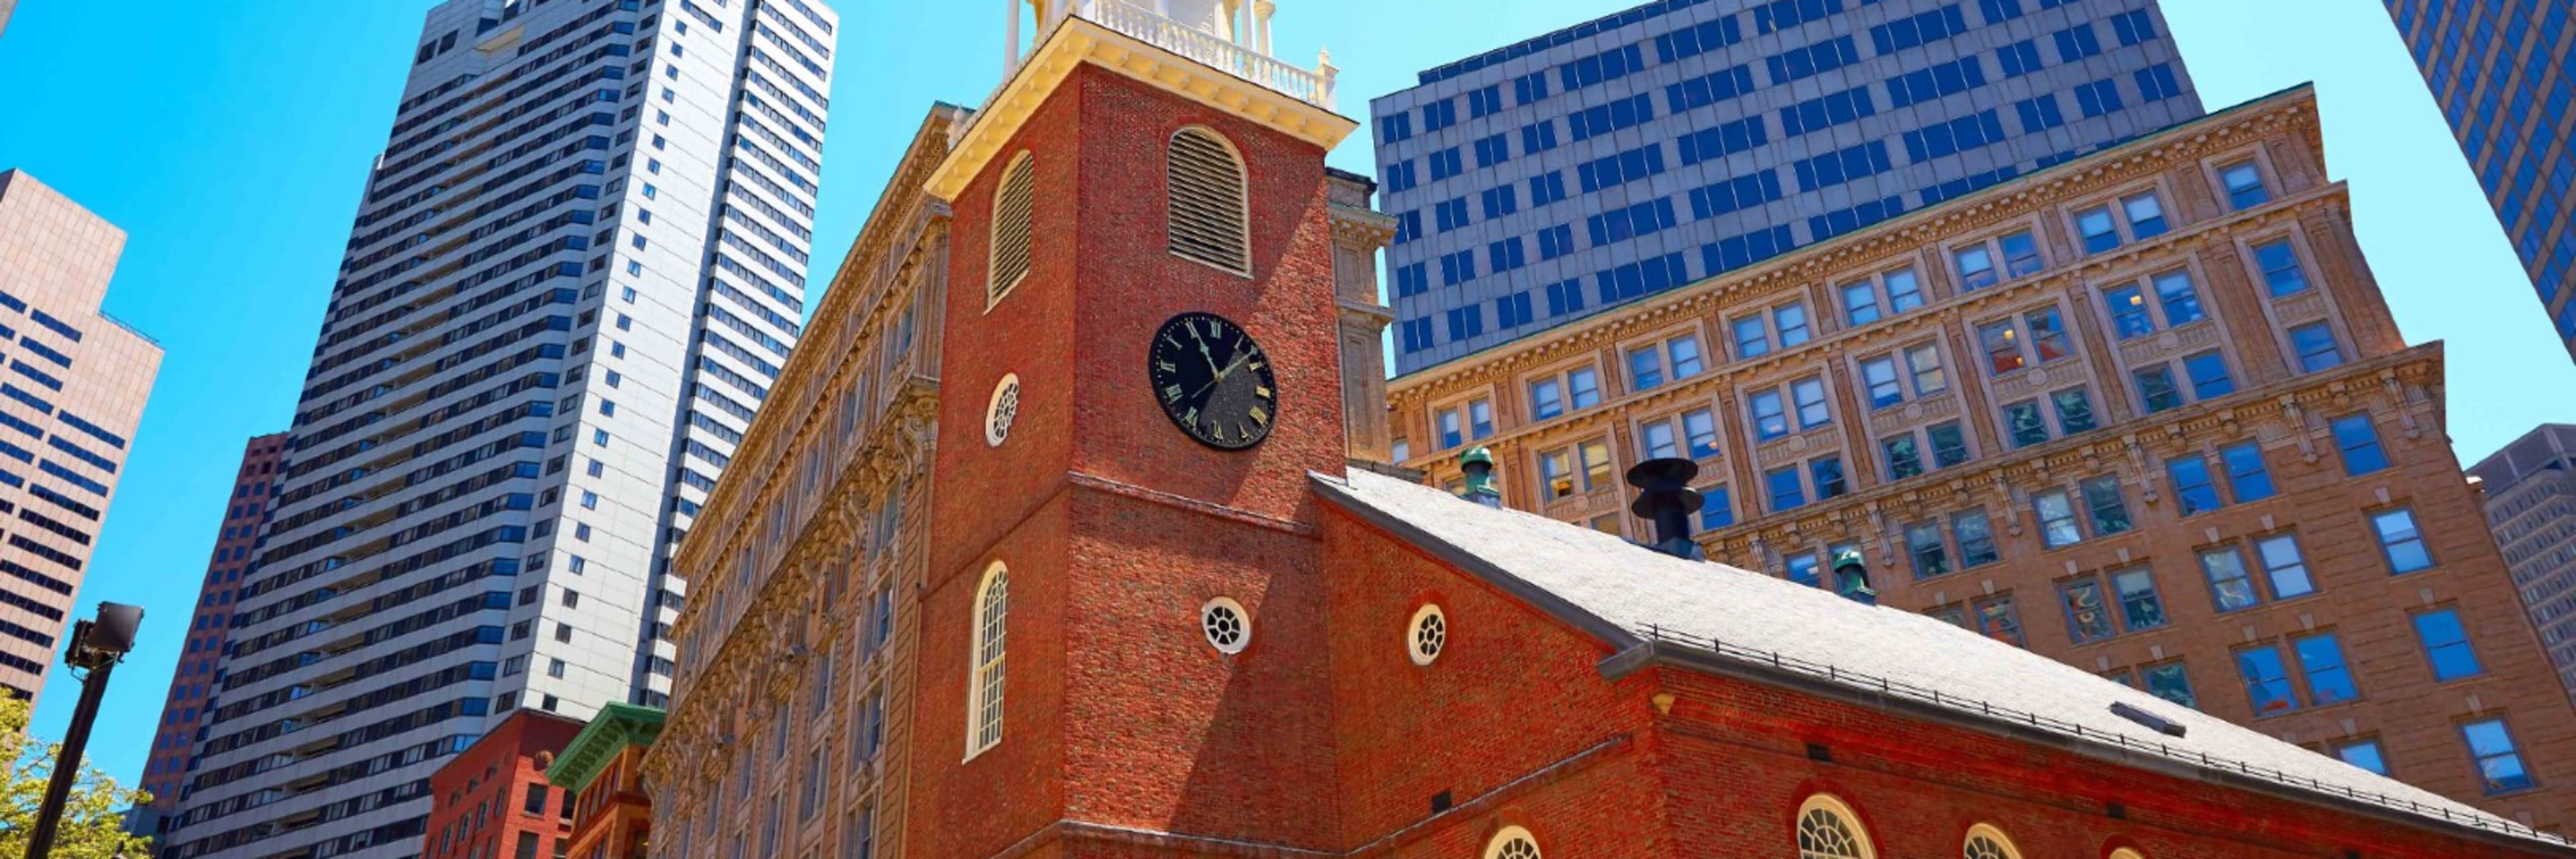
[
  {"x": 787, "y": 716},
  {"x": 2144, "y": 412}
]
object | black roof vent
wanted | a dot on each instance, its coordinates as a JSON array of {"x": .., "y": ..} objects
[
  {"x": 2160, "y": 724},
  {"x": 1665, "y": 497}
]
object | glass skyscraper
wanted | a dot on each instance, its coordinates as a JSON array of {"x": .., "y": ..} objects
[
  {"x": 1591, "y": 166},
  {"x": 2499, "y": 70},
  {"x": 575, "y": 272}
]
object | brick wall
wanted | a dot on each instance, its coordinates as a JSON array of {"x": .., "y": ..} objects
[
  {"x": 1516, "y": 720},
  {"x": 478, "y": 799},
  {"x": 1116, "y": 710}
]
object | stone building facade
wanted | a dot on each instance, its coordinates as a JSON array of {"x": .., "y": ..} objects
[
  {"x": 2190, "y": 454},
  {"x": 791, "y": 705}
]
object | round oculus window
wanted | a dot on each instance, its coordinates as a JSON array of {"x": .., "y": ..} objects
[
  {"x": 1426, "y": 634},
  {"x": 1227, "y": 626},
  {"x": 1002, "y": 411}
]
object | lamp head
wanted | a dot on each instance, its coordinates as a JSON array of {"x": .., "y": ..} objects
[{"x": 108, "y": 638}]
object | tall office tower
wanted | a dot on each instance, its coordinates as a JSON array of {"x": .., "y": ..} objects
[
  {"x": 1638, "y": 152},
  {"x": 72, "y": 393},
  {"x": 6, "y": 6},
  {"x": 193, "y": 684},
  {"x": 2191, "y": 453},
  {"x": 576, "y": 270},
  {"x": 2531, "y": 503},
  {"x": 2500, "y": 71}
]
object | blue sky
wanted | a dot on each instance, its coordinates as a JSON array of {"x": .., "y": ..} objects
[{"x": 231, "y": 140}]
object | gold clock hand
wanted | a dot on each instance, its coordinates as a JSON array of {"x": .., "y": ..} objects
[
  {"x": 1230, "y": 368},
  {"x": 1203, "y": 353}
]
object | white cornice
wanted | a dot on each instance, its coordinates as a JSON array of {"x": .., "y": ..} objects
[{"x": 1078, "y": 41}]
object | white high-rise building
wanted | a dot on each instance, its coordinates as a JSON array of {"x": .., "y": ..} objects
[{"x": 579, "y": 263}]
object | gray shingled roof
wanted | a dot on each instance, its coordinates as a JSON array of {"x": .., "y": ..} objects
[{"x": 1629, "y": 594}]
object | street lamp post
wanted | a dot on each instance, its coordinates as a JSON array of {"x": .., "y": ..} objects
[{"x": 97, "y": 645}]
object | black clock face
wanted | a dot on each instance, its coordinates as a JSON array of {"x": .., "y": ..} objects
[{"x": 1213, "y": 381}]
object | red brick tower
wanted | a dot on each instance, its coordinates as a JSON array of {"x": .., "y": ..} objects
[{"x": 1080, "y": 534}]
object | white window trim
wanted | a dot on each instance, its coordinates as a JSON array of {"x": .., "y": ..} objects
[
  {"x": 1242, "y": 197},
  {"x": 997, "y": 423},
  {"x": 2011, "y": 851},
  {"x": 994, "y": 292},
  {"x": 978, "y": 668},
  {"x": 1242, "y": 616},
  {"x": 1412, "y": 646},
  {"x": 1504, "y": 838},
  {"x": 1835, "y": 806}
]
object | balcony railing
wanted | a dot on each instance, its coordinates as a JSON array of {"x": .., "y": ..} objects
[{"x": 1144, "y": 24}]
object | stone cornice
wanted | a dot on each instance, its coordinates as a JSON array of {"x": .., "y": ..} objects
[
  {"x": 1902, "y": 238},
  {"x": 898, "y": 445},
  {"x": 1362, "y": 227},
  {"x": 1379, "y": 314},
  {"x": 754, "y": 662},
  {"x": 871, "y": 283},
  {"x": 797, "y": 379},
  {"x": 721, "y": 532},
  {"x": 1077, "y": 41}
]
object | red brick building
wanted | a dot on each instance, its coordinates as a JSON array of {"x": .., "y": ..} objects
[
  {"x": 493, "y": 800},
  {"x": 194, "y": 682},
  {"x": 602, "y": 770},
  {"x": 1166, "y": 613}
]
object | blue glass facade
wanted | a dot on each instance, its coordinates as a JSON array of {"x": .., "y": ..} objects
[
  {"x": 1580, "y": 170},
  {"x": 2499, "y": 70}
]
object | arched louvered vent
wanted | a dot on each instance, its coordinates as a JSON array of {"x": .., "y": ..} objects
[
  {"x": 1208, "y": 215},
  {"x": 1011, "y": 203}
]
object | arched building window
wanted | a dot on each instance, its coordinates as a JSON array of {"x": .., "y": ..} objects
[
  {"x": 1512, "y": 843},
  {"x": 1012, "y": 202},
  {"x": 1827, "y": 829},
  {"x": 1987, "y": 842},
  {"x": 1209, "y": 219},
  {"x": 984, "y": 697}
]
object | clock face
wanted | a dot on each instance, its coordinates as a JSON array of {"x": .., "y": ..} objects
[{"x": 1213, "y": 381}]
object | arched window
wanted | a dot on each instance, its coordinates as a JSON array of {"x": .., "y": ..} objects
[
  {"x": 2127, "y": 853},
  {"x": 1011, "y": 203},
  {"x": 1827, "y": 829},
  {"x": 984, "y": 698},
  {"x": 1987, "y": 842},
  {"x": 1209, "y": 219},
  {"x": 1512, "y": 843}
]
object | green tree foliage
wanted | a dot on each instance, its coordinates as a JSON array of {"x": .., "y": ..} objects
[{"x": 93, "y": 818}]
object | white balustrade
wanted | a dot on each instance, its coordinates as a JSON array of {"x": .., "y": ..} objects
[{"x": 1144, "y": 24}]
